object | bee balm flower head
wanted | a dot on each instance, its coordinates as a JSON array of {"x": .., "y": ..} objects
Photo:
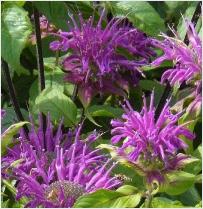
[
  {"x": 151, "y": 144},
  {"x": 99, "y": 60},
  {"x": 58, "y": 172}
]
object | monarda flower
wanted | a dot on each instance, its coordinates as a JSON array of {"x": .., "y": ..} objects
[
  {"x": 187, "y": 60},
  {"x": 149, "y": 145},
  {"x": 103, "y": 60},
  {"x": 54, "y": 170}
]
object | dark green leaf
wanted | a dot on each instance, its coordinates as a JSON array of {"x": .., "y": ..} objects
[
  {"x": 105, "y": 111},
  {"x": 89, "y": 116},
  {"x": 141, "y": 14},
  {"x": 149, "y": 85},
  {"x": 10, "y": 118},
  {"x": 16, "y": 28},
  {"x": 56, "y": 12},
  {"x": 193, "y": 194}
]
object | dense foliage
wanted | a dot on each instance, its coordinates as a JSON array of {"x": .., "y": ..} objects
[{"x": 101, "y": 104}]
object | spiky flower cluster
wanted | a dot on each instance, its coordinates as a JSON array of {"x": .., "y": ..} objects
[
  {"x": 150, "y": 144},
  {"x": 100, "y": 60},
  {"x": 53, "y": 170},
  {"x": 187, "y": 60}
]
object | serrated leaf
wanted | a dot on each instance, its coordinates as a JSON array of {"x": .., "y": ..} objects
[
  {"x": 7, "y": 136},
  {"x": 141, "y": 14},
  {"x": 106, "y": 198},
  {"x": 16, "y": 28},
  {"x": 58, "y": 104}
]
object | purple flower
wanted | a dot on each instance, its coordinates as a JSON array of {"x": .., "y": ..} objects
[
  {"x": 188, "y": 63},
  {"x": 99, "y": 60},
  {"x": 187, "y": 58},
  {"x": 150, "y": 144},
  {"x": 55, "y": 169}
]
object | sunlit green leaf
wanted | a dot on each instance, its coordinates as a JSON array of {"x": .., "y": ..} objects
[
  {"x": 7, "y": 136},
  {"x": 52, "y": 100},
  {"x": 108, "y": 199},
  {"x": 16, "y": 28},
  {"x": 178, "y": 182}
]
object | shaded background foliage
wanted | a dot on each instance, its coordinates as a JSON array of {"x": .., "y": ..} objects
[{"x": 19, "y": 52}]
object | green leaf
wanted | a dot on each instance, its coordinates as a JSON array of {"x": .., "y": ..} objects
[
  {"x": 5, "y": 204},
  {"x": 7, "y": 136},
  {"x": 121, "y": 159},
  {"x": 141, "y": 14},
  {"x": 162, "y": 202},
  {"x": 149, "y": 85},
  {"x": 127, "y": 189},
  {"x": 56, "y": 12},
  {"x": 18, "y": 3},
  {"x": 178, "y": 182},
  {"x": 20, "y": 203},
  {"x": 131, "y": 177},
  {"x": 199, "y": 205},
  {"x": 16, "y": 28},
  {"x": 89, "y": 116},
  {"x": 182, "y": 29},
  {"x": 10, "y": 187},
  {"x": 196, "y": 166},
  {"x": 11, "y": 117},
  {"x": 58, "y": 104},
  {"x": 190, "y": 127},
  {"x": 105, "y": 111},
  {"x": 193, "y": 194},
  {"x": 108, "y": 199}
]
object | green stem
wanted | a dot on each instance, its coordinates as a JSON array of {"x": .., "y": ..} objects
[{"x": 148, "y": 199}]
